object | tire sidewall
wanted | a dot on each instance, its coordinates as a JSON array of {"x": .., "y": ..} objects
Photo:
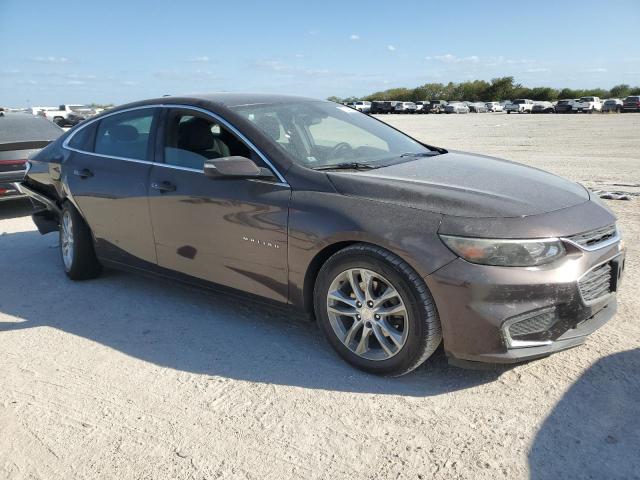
[{"x": 414, "y": 346}]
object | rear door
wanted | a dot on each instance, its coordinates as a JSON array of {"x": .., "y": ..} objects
[
  {"x": 230, "y": 232},
  {"x": 107, "y": 172}
]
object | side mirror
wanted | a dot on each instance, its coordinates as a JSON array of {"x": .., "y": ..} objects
[{"x": 234, "y": 167}]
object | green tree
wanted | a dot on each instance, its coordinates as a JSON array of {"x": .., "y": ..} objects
[{"x": 621, "y": 91}]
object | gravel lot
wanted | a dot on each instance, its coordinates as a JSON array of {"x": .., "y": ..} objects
[{"x": 134, "y": 378}]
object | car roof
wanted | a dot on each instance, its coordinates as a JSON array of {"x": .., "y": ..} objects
[
  {"x": 24, "y": 127},
  {"x": 226, "y": 99}
]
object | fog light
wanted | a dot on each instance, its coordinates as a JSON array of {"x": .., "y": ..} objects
[{"x": 530, "y": 329}]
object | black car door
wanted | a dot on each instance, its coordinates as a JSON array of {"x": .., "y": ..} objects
[
  {"x": 107, "y": 172},
  {"x": 231, "y": 232}
]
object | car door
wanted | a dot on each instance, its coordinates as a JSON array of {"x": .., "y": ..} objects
[
  {"x": 231, "y": 232},
  {"x": 106, "y": 172}
]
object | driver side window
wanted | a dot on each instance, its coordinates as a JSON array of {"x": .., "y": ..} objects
[{"x": 192, "y": 138}]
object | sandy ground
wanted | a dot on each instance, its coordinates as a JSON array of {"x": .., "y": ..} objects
[{"x": 134, "y": 378}]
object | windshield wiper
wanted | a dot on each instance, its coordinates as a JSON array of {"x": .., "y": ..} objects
[
  {"x": 347, "y": 166},
  {"x": 420, "y": 154}
]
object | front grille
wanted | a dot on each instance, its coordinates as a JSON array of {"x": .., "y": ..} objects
[
  {"x": 596, "y": 283},
  {"x": 592, "y": 238}
]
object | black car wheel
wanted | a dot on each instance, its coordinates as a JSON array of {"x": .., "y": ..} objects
[
  {"x": 76, "y": 246},
  {"x": 59, "y": 121},
  {"x": 376, "y": 311}
]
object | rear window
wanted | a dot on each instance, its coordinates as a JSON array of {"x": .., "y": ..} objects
[
  {"x": 519, "y": 102},
  {"x": 633, "y": 99}
]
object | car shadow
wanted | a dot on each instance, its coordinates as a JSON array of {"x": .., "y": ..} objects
[
  {"x": 192, "y": 330},
  {"x": 594, "y": 431},
  {"x": 18, "y": 207}
]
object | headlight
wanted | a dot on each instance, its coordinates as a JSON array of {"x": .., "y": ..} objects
[{"x": 505, "y": 253}]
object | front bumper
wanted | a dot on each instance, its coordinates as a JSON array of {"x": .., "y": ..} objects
[{"x": 478, "y": 304}]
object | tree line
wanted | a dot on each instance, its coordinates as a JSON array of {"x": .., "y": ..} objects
[{"x": 503, "y": 88}]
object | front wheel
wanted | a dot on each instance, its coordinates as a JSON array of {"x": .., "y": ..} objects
[
  {"x": 376, "y": 311},
  {"x": 76, "y": 246}
]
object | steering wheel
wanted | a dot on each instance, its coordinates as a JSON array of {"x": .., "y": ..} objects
[{"x": 337, "y": 149}]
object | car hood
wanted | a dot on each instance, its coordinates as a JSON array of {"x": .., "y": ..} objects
[{"x": 465, "y": 185}]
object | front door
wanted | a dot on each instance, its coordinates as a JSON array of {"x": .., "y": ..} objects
[
  {"x": 107, "y": 170},
  {"x": 231, "y": 232}
]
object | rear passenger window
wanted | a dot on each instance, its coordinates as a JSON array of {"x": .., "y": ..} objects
[
  {"x": 83, "y": 138},
  {"x": 125, "y": 134}
]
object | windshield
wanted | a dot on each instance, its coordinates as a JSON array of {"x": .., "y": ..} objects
[
  {"x": 587, "y": 99},
  {"x": 321, "y": 134},
  {"x": 519, "y": 102}
]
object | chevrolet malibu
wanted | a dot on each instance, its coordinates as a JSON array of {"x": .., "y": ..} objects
[{"x": 391, "y": 244}]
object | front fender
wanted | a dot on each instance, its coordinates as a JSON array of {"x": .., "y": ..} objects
[{"x": 320, "y": 220}]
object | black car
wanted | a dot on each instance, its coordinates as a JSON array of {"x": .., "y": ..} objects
[
  {"x": 21, "y": 135},
  {"x": 567, "y": 106},
  {"x": 631, "y": 104},
  {"x": 391, "y": 244},
  {"x": 377, "y": 107}
]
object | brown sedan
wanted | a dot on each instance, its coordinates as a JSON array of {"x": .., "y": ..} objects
[{"x": 391, "y": 244}]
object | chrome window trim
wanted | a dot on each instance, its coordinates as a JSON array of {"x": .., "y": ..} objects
[{"x": 215, "y": 116}]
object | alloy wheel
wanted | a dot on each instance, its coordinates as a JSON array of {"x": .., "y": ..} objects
[
  {"x": 66, "y": 240},
  {"x": 367, "y": 314}
]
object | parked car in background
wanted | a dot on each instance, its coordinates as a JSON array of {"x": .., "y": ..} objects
[
  {"x": 361, "y": 106},
  {"x": 494, "y": 106},
  {"x": 405, "y": 107},
  {"x": 589, "y": 104},
  {"x": 376, "y": 106},
  {"x": 612, "y": 105},
  {"x": 21, "y": 135},
  {"x": 520, "y": 105},
  {"x": 543, "y": 107},
  {"x": 631, "y": 104},
  {"x": 41, "y": 110},
  {"x": 477, "y": 107},
  {"x": 391, "y": 244},
  {"x": 421, "y": 107},
  {"x": 567, "y": 105},
  {"x": 387, "y": 106},
  {"x": 436, "y": 106},
  {"x": 456, "y": 107},
  {"x": 69, "y": 114}
]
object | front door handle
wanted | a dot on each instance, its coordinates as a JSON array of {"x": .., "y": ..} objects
[
  {"x": 164, "y": 187},
  {"x": 83, "y": 173}
]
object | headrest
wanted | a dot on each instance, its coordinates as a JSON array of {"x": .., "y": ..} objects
[
  {"x": 195, "y": 135},
  {"x": 123, "y": 133},
  {"x": 269, "y": 126}
]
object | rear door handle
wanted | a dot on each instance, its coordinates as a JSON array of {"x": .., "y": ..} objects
[
  {"x": 83, "y": 173},
  {"x": 164, "y": 187}
]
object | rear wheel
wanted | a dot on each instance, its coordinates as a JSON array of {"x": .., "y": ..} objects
[
  {"x": 59, "y": 121},
  {"x": 76, "y": 246},
  {"x": 376, "y": 311}
]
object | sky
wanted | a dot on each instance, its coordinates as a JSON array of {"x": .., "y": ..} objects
[{"x": 79, "y": 51}]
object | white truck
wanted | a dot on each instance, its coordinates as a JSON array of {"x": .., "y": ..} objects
[
  {"x": 589, "y": 104},
  {"x": 69, "y": 114},
  {"x": 520, "y": 105}
]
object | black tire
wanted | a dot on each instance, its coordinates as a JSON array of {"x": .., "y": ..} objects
[
  {"x": 424, "y": 334},
  {"x": 82, "y": 263},
  {"x": 59, "y": 121}
]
